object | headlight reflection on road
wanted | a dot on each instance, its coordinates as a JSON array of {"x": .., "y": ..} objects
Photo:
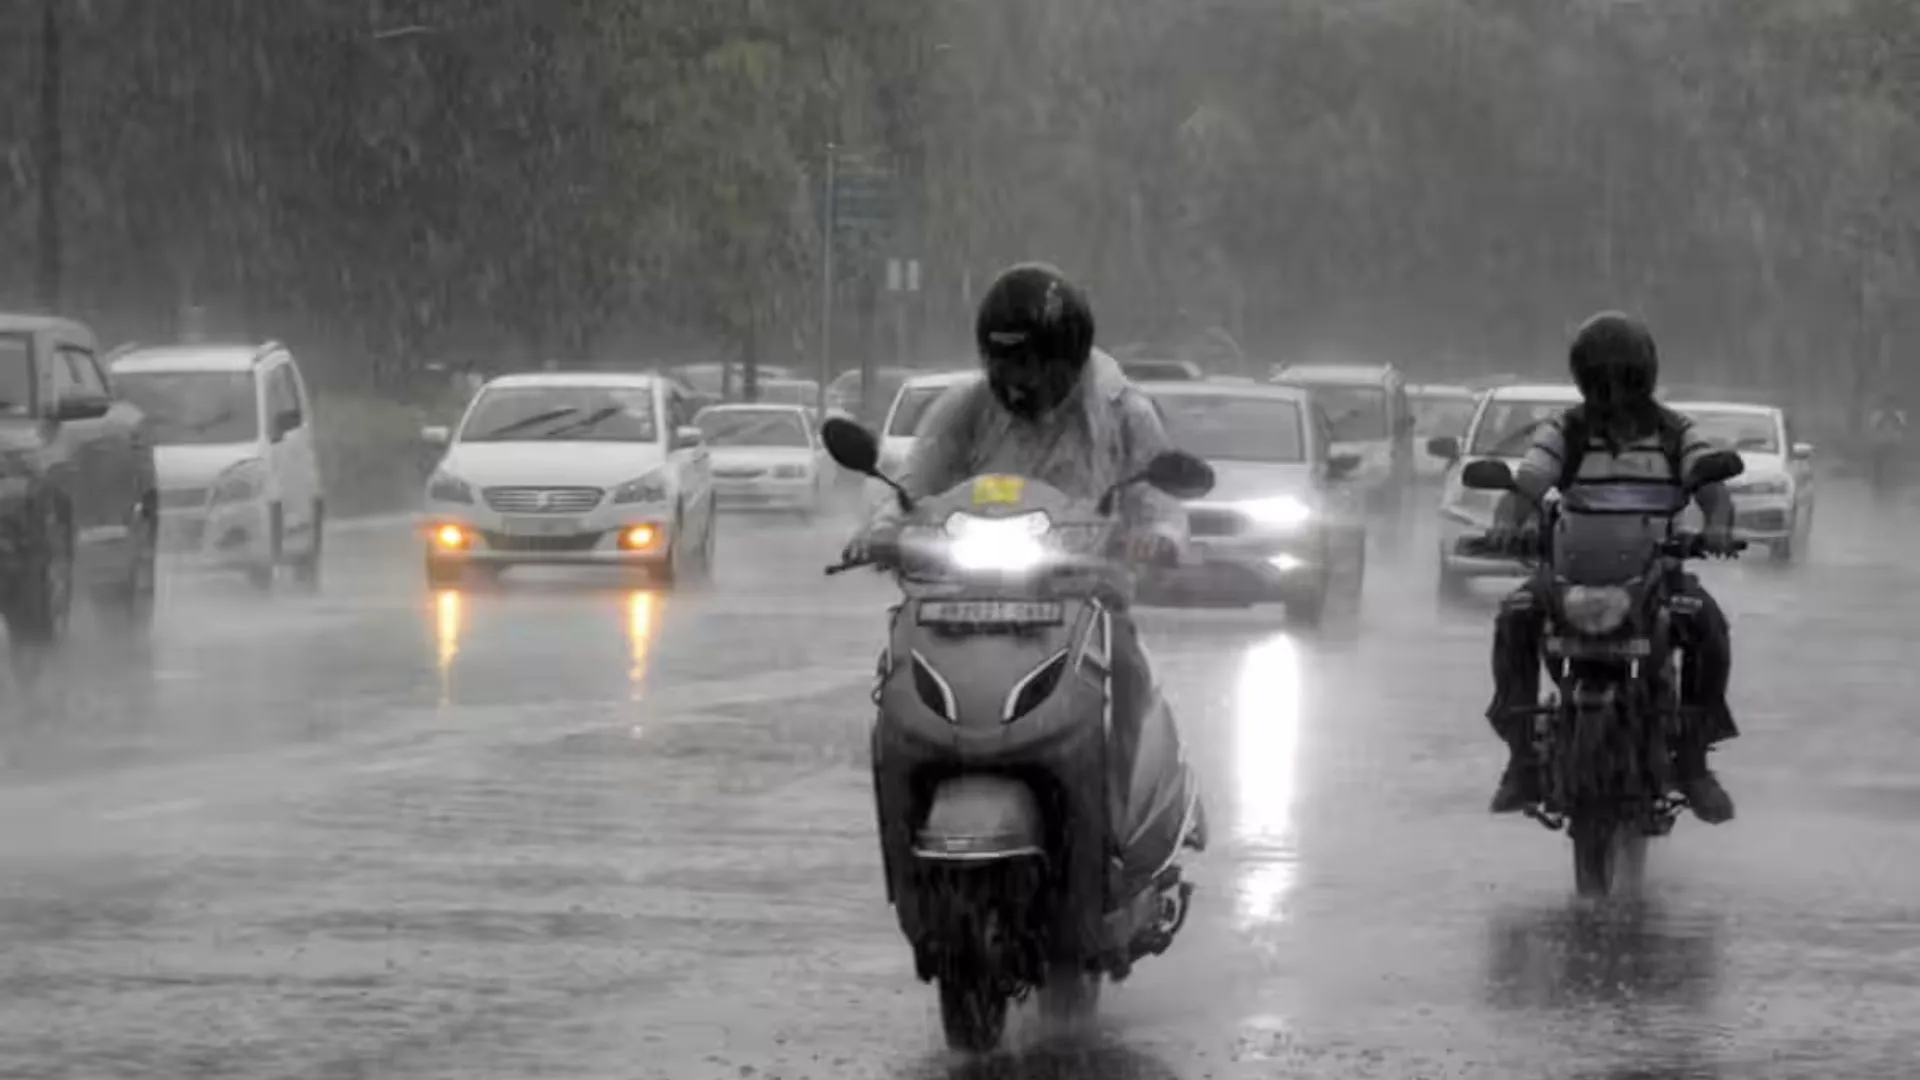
[
  {"x": 446, "y": 635},
  {"x": 642, "y": 610},
  {"x": 1267, "y": 709}
]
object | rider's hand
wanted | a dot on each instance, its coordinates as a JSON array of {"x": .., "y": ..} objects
[
  {"x": 1517, "y": 537},
  {"x": 1719, "y": 540},
  {"x": 860, "y": 548},
  {"x": 1153, "y": 548}
]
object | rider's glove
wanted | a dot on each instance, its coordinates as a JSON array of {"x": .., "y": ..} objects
[
  {"x": 860, "y": 548},
  {"x": 1513, "y": 538},
  {"x": 1718, "y": 540}
]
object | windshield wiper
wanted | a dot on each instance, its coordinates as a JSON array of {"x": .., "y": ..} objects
[
  {"x": 593, "y": 419},
  {"x": 526, "y": 422}
]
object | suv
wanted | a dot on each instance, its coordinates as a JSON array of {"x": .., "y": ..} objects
[
  {"x": 232, "y": 428},
  {"x": 77, "y": 490}
]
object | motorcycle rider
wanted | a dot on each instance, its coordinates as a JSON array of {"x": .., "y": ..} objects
[
  {"x": 1887, "y": 434},
  {"x": 1052, "y": 407},
  {"x": 1618, "y": 434}
]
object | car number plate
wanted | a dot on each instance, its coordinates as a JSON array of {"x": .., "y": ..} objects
[
  {"x": 539, "y": 525},
  {"x": 991, "y": 613}
]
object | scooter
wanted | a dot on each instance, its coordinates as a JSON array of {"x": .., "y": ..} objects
[{"x": 1025, "y": 850}]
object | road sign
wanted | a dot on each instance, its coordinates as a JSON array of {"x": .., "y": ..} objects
[{"x": 865, "y": 197}]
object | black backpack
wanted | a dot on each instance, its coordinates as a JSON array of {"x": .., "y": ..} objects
[{"x": 1578, "y": 439}]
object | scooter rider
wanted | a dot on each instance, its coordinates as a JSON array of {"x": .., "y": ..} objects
[
  {"x": 1054, "y": 408},
  {"x": 1618, "y": 435}
]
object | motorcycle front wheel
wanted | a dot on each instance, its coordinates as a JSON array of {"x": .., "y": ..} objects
[
  {"x": 1608, "y": 856},
  {"x": 973, "y": 1013}
]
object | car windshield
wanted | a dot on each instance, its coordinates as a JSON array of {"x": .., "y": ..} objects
[
  {"x": 562, "y": 413},
  {"x": 1505, "y": 426},
  {"x": 186, "y": 408},
  {"x": 16, "y": 375},
  {"x": 910, "y": 407},
  {"x": 753, "y": 427},
  {"x": 1231, "y": 427},
  {"x": 1442, "y": 415},
  {"x": 1353, "y": 412},
  {"x": 1730, "y": 430}
]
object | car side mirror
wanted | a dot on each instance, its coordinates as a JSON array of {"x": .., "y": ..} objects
[
  {"x": 284, "y": 421},
  {"x": 1802, "y": 451},
  {"x": 1340, "y": 466},
  {"x": 687, "y": 437},
  {"x": 82, "y": 405},
  {"x": 1487, "y": 475},
  {"x": 436, "y": 435},
  {"x": 1444, "y": 447},
  {"x": 851, "y": 446},
  {"x": 1715, "y": 467}
]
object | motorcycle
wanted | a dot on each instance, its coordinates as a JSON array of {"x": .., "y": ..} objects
[
  {"x": 997, "y": 787},
  {"x": 1604, "y": 734}
]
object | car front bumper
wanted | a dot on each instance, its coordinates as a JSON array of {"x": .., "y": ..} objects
[
  {"x": 1763, "y": 518},
  {"x": 605, "y": 536},
  {"x": 767, "y": 492}
]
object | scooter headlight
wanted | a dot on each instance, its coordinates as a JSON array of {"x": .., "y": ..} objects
[
  {"x": 1011, "y": 544},
  {"x": 1596, "y": 610}
]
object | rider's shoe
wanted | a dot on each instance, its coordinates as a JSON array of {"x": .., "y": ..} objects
[{"x": 1519, "y": 784}]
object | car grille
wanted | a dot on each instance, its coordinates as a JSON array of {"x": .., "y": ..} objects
[
  {"x": 182, "y": 498},
  {"x": 738, "y": 472},
  {"x": 1205, "y": 521},
  {"x": 543, "y": 500},
  {"x": 576, "y": 542}
]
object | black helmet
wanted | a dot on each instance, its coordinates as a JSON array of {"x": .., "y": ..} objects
[
  {"x": 1035, "y": 333},
  {"x": 1615, "y": 363}
]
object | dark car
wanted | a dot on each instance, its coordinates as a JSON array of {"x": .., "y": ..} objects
[{"x": 78, "y": 497}]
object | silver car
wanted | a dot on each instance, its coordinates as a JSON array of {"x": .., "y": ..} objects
[{"x": 1279, "y": 524}]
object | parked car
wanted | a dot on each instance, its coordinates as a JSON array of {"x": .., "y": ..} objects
[
  {"x": 582, "y": 469},
  {"x": 1278, "y": 526},
  {"x": 766, "y": 457},
  {"x": 1773, "y": 499},
  {"x": 78, "y": 495},
  {"x": 234, "y": 447}
]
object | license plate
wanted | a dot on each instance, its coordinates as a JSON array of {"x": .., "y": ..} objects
[
  {"x": 1632, "y": 648},
  {"x": 541, "y": 525},
  {"x": 991, "y": 613}
]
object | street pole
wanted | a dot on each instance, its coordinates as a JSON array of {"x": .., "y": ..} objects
[
  {"x": 826, "y": 283},
  {"x": 52, "y": 161}
]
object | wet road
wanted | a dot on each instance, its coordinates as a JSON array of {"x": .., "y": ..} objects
[{"x": 570, "y": 831}]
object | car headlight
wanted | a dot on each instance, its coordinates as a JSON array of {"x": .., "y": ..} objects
[
  {"x": 241, "y": 483},
  {"x": 1280, "y": 512},
  {"x": 1011, "y": 544},
  {"x": 790, "y": 472},
  {"x": 446, "y": 487},
  {"x": 1596, "y": 609},
  {"x": 1765, "y": 485},
  {"x": 651, "y": 488}
]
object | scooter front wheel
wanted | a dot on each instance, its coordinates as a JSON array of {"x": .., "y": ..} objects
[{"x": 973, "y": 1013}]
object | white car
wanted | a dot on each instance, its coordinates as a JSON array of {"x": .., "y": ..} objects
[
  {"x": 1501, "y": 429},
  {"x": 766, "y": 456},
  {"x": 1438, "y": 410},
  {"x": 1279, "y": 524},
  {"x": 903, "y": 419},
  {"x": 232, "y": 428},
  {"x": 594, "y": 469},
  {"x": 1773, "y": 498}
]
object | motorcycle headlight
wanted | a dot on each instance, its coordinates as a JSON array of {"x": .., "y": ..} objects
[
  {"x": 651, "y": 488},
  {"x": 1280, "y": 512},
  {"x": 1765, "y": 485},
  {"x": 446, "y": 487},
  {"x": 1596, "y": 609},
  {"x": 1011, "y": 543},
  {"x": 241, "y": 483}
]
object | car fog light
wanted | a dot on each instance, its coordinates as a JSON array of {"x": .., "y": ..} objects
[
  {"x": 450, "y": 537},
  {"x": 639, "y": 537},
  {"x": 1286, "y": 563}
]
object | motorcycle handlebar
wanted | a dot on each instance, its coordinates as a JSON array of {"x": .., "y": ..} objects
[
  {"x": 1681, "y": 545},
  {"x": 886, "y": 554}
]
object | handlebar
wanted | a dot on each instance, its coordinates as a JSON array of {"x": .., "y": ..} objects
[
  {"x": 889, "y": 554},
  {"x": 1680, "y": 545}
]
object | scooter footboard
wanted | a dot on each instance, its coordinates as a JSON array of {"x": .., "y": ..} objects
[{"x": 981, "y": 818}]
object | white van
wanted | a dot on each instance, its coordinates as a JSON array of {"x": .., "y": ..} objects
[{"x": 239, "y": 474}]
